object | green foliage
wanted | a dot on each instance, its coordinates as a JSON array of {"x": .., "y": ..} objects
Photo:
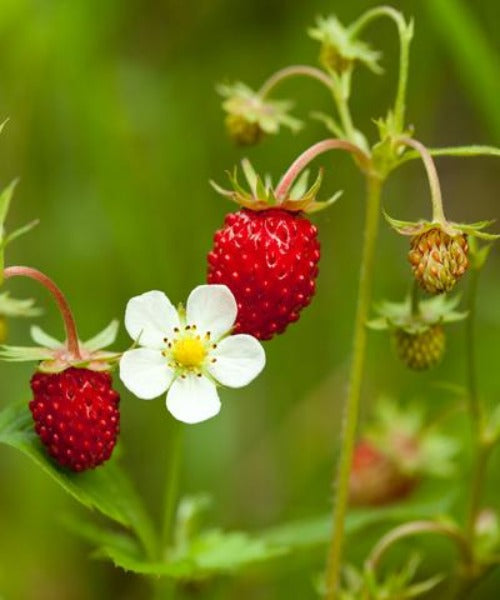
[{"x": 106, "y": 489}]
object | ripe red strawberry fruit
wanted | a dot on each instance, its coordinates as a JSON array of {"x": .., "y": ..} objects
[
  {"x": 269, "y": 260},
  {"x": 267, "y": 253},
  {"x": 76, "y": 416}
]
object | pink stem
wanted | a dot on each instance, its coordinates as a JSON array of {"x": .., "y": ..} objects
[
  {"x": 67, "y": 315},
  {"x": 310, "y": 154}
]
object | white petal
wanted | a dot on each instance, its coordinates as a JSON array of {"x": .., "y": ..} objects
[
  {"x": 239, "y": 359},
  {"x": 211, "y": 308},
  {"x": 193, "y": 399},
  {"x": 145, "y": 373},
  {"x": 150, "y": 318}
]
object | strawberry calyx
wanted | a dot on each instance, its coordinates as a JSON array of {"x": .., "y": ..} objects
[
  {"x": 428, "y": 313},
  {"x": 454, "y": 230},
  {"x": 55, "y": 356},
  {"x": 261, "y": 194}
]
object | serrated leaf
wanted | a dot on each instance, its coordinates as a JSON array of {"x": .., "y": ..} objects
[
  {"x": 43, "y": 339},
  {"x": 106, "y": 489},
  {"x": 104, "y": 338}
]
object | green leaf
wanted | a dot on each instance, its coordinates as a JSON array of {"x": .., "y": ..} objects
[
  {"x": 106, "y": 489},
  {"x": 317, "y": 531}
]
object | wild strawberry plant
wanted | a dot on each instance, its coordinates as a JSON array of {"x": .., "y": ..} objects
[{"x": 262, "y": 273}]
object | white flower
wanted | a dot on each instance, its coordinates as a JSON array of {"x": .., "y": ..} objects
[{"x": 188, "y": 352}]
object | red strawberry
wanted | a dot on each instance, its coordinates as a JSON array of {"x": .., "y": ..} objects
[
  {"x": 376, "y": 479},
  {"x": 76, "y": 416},
  {"x": 268, "y": 259},
  {"x": 267, "y": 253}
]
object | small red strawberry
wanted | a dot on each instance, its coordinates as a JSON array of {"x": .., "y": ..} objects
[
  {"x": 267, "y": 253},
  {"x": 376, "y": 479},
  {"x": 396, "y": 451},
  {"x": 269, "y": 260},
  {"x": 76, "y": 416},
  {"x": 74, "y": 407}
]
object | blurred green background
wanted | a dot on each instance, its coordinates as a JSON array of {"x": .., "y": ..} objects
[{"x": 115, "y": 130}]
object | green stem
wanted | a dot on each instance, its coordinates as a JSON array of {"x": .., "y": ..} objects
[
  {"x": 475, "y": 410},
  {"x": 415, "y": 308},
  {"x": 294, "y": 71},
  {"x": 340, "y": 91},
  {"x": 417, "y": 528},
  {"x": 435, "y": 187},
  {"x": 300, "y": 163},
  {"x": 405, "y": 32},
  {"x": 351, "y": 409},
  {"x": 475, "y": 407},
  {"x": 171, "y": 487}
]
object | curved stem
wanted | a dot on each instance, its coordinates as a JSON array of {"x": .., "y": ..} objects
[
  {"x": 416, "y": 528},
  {"x": 405, "y": 32},
  {"x": 294, "y": 71},
  {"x": 59, "y": 297},
  {"x": 300, "y": 163},
  {"x": 351, "y": 409},
  {"x": 435, "y": 187}
]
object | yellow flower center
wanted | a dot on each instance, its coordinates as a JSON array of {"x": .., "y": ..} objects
[{"x": 189, "y": 352}]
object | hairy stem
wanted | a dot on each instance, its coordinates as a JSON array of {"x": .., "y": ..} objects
[
  {"x": 300, "y": 163},
  {"x": 294, "y": 71},
  {"x": 351, "y": 409},
  {"x": 405, "y": 32},
  {"x": 435, "y": 187},
  {"x": 59, "y": 297}
]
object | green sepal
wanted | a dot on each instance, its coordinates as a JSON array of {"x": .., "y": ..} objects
[
  {"x": 104, "y": 338},
  {"x": 14, "y": 307},
  {"x": 24, "y": 353},
  {"x": 40, "y": 337},
  {"x": 452, "y": 229},
  {"x": 410, "y": 227},
  {"x": 400, "y": 315},
  {"x": 434, "y": 453},
  {"x": 269, "y": 115},
  {"x": 337, "y": 38}
]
